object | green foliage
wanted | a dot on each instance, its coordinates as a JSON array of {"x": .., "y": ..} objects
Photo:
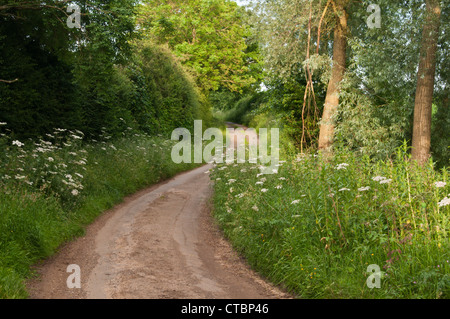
[
  {"x": 377, "y": 95},
  {"x": 92, "y": 79},
  {"x": 243, "y": 109},
  {"x": 209, "y": 37},
  {"x": 49, "y": 192},
  {"x": 163, "y": 88},
  {"x": 316, "y": 225},
  {"x": 64, "y": 75},
  {"x": 440, "y": 139}
]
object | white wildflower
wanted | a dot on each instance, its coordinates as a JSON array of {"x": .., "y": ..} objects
[
  {"x": 259, "y": 183},
  {"x": 295, "y": 202},
  {"x": 344, "y": 189},
  {"x": 341, "y": 166},
  {"x": 282, "y": 178},
  {"x": 440, "y": 184},
  {"x": 444, "y": 202},
  {"x": 3, "y": 123},
  {"x": 362, "y": 189},
  {"x": 51, "y": 159},
  {"x": 385, "y": 181},
  {"x": 19, "y": 177},
  {"x": 75, "y": 192},
  {"x": 378, "y": 178},
  {"x": 18, "y": 143},
  {"x": 255, "y": 208},
  {"x": 278, "y": 187},
  {"x": 231, "y": 181},
  {"x": 79, "y": 175},
  {"x": 264, "y": 190}
]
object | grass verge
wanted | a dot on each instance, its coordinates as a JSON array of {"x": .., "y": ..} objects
[
  {"x": 51, "y": 189},
  {"x": 317, "y": 225}
]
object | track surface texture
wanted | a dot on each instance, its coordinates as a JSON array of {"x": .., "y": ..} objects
[{"x": 161, "y": 243}]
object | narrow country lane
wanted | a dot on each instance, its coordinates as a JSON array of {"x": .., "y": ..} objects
[{"x": 159, "y": 243}]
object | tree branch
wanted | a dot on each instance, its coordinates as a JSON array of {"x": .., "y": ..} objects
[
  {"x": 9, "y": 82},
  {"x": 320, "y": 26}
]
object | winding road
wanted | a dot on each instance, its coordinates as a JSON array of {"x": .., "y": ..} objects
[{"x": 161, "y": 243}]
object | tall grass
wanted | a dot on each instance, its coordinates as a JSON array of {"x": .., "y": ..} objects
[
  {"x": 316, "y": 225},
  {"x": 52, "y": 188}
]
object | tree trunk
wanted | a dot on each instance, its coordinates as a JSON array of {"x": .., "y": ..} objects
[
  {"x": 327, "y": 125},
  {"x": 421, "y": 140}
]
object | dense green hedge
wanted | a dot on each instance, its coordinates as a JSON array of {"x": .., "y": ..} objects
[{"x": 151, "y": 92}]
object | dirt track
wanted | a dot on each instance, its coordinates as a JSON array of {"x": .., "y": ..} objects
[{"x": 160, "y": 243}]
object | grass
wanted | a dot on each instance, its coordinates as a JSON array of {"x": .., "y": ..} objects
[
  {"x": 52, "y": 188},
  {"x": 317, "y": 225}
]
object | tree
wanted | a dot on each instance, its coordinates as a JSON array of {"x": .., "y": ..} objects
[
  {"x": 421, "y": 141},
  {"x": 63, "y": 75},
  {"x": 327, "y": 126},
  {"x": 209, "y": 36},
  {"x": 289, "y": 30}
]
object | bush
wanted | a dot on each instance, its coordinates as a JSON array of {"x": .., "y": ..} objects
[{"x": 164, "y": 89}]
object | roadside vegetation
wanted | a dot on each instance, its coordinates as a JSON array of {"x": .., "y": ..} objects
[
  {"x": 53, "y": 187},
  {"x": 361, "y": 98},
  {"x": 316, "y": 225}
]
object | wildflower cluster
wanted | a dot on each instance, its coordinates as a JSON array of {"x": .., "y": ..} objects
[{"x": 345, "y": 215}]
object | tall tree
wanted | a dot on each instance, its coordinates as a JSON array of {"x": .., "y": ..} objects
[
  {"x": 327, "y": 126},
  {"x": 208, "y": 35},
  {"x": 421, "y": 141},
  {"x": 296, "y": 35}
]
